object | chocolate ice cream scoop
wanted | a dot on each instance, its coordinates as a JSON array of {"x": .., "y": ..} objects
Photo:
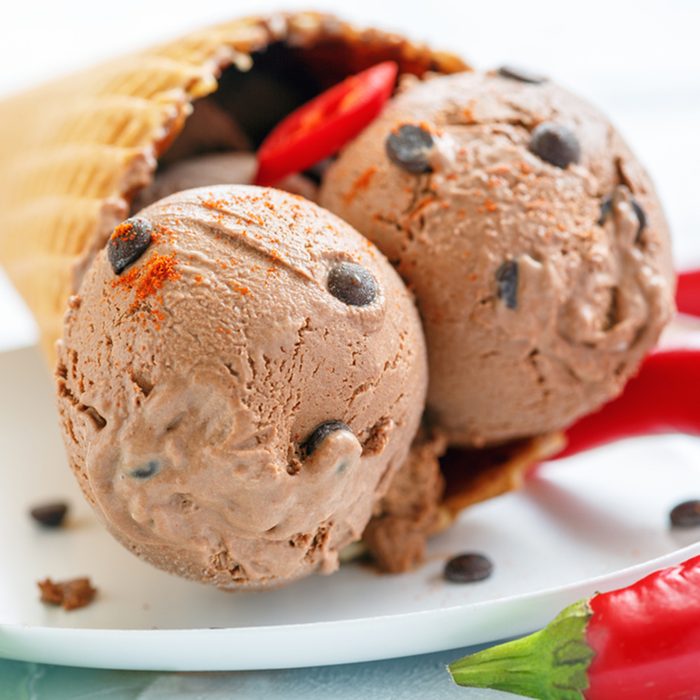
[
  {"x": 531, "y": 236},
  {"x": 230, "y": 417}
]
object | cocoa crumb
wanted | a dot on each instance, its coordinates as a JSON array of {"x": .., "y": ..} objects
[{"x": 72, "y": 594}]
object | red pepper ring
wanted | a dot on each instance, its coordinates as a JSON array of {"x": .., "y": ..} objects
[
  {"x": 641, "y": 642},
  {"x": 661, "y": 398},
  {"x": 688, "y": 292},
  {"x": 322, "y": 126}
]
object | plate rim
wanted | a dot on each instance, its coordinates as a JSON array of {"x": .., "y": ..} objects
[{"x": 94, "y": 647}]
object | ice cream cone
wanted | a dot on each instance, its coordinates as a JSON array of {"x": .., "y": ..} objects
[{"x": 76, "y": 151}]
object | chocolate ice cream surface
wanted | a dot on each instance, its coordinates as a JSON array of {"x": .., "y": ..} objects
[
  {"x": 531, "y": 236},
  {"x": 229, "y": 417}
]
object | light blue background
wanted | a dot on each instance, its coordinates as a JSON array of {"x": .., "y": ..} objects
[{"x": 421, "y": 677}]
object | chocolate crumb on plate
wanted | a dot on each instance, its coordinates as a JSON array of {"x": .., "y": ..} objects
[
  {"x": 468, "y": 568},
  {"x": 72, "y": 594},
  {"x": 686, "y": 514},
  {"x": 51, "y": 514}
]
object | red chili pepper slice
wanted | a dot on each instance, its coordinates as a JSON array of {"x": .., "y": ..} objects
[
  {"x": 663, "y": 397},
  {"x": 322, "y": 126},
  {"x": 641, "y": 642},
  {"x": 688, "y": 292}
]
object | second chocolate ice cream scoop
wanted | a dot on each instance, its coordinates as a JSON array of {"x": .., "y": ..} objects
[{"x": 533, "y": 240}]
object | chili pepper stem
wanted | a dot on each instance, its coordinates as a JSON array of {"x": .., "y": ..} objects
[{"x": 551, "y": 664}]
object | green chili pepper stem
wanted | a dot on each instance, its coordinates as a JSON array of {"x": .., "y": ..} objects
[{"x": 551, "y": 664}]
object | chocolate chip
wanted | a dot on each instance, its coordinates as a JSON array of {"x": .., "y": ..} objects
[
  {"x": 556, "y": 144},
  {"x": 320, "y": 433},
  {"x": 507, "y": 278},
  {"x": 409, "y": 147},
  {"x": 352, "y": 284},
  {"x": 467, "y": 568},
  {"x": 686, "y": 514},
  {"x": 146, "y": 471},
  {"x": 606, "y": 210},
  {"x": 50, "y": 514},
  {"x": 641, "y": 217},
  {"x": 128, "y": 243},
  {"x": 522, "y": 74}
]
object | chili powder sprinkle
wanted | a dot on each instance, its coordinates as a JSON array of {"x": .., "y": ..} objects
[
  {"x": 147, "y": 280},
  {"x": 361, "y": 183}
]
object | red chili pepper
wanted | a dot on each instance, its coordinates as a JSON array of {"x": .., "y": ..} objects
[
  {"x": 636, "y": 643},
  {"x": 688, "y": 292},
  {"x": 663, "y": 397},
  {"x": 322, "y": 126}
]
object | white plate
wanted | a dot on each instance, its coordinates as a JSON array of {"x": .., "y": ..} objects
[{"x": 594, "y": 522}]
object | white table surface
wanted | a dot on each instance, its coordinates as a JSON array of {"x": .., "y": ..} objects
[{"x": 639, "y": 61}]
